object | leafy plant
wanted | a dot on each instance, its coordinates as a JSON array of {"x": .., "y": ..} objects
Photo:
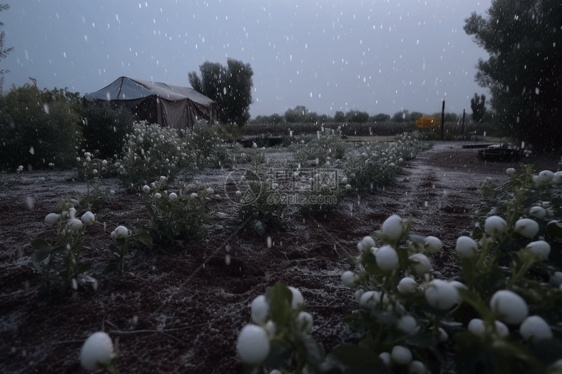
[
  {"x": 59, "y": 262},
  {"x": 176, "y": 216}
]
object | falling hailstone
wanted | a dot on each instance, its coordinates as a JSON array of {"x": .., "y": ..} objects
[
  {"x": 227, "y": 259},
  {"x": 269, "y": 242},
  {"x": 32, "y": 151},
  {"x": 30, "y": 203}
]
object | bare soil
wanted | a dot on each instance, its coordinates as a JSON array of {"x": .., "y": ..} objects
[{"x": 180, "y": 308}]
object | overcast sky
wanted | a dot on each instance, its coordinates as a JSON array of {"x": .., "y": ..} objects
[{"x": 325, "y": 55}]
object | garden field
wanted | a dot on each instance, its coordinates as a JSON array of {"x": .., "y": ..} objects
[{"x": 180, "y": 305}]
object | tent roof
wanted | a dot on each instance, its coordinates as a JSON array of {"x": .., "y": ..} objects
[{"x": 124, "y": 88}]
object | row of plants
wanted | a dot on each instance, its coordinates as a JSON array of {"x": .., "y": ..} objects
[{"x": 500, "y": 315}]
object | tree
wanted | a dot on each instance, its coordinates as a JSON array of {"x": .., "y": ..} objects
[
  {"x": 524, "y": 71},
  {"x": 3, "y": 51},
  {"x": 229, "y": 86},
  {"x": 478, "y": 106},
  {"x": 381, "y": 117},
  {"x": 414, "y": 116},
  {"x": 339, "y": 116},
  {"x": 296, "y": 115},
  {"x": 400, "y": 116},
  {"x": 357, "y": 116}
]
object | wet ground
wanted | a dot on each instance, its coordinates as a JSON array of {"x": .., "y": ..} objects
[{"x": 180, "y": 310}]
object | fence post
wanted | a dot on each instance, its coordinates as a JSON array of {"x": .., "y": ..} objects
[
  {"x": 463, "y": 114},
  {"x": 443, "y": 121}
]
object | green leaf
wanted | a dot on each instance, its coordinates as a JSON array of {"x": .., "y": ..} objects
[
  {"x": 40, "y": 244},
  {"x": 279, "y": 299},
  {"x": 277, "y": 357},
  {"x": 358, "y": 359},
  {"x": 309, "y": 347},
  {"x": 144, "y": 238},
  {"x": 39, "y": 255},
  {"x": 421, "y": 339}
]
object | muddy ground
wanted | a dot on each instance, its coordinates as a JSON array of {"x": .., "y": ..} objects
[{"x": 180, "y": 309}]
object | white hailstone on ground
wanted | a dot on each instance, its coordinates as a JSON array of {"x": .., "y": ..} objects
[
  {"x": 420, "y": 263},
  {"x": 534, "y": 328},
  {"x": 416, "y": 367},
  {"x": 401, "y": 355},
  {"x": 304, "y": 320},
  {"x": 443, "y": 336},
  {"x": 510, "y": 171},
  {"x": 97, "y": 351},
  {"x": 349, "y": 279},
  {"x": 238, "y": 193},
  {"x": 387, "y": 258},
  {"x": 145, "y": 189},
  {"x": 347, "y": 187},
  {"x": 121, "y": 232},
  {"x": 366, "y": 244},
  {"x": 540, "y": 249},
  {"x": 495, "y": 225},
  {"x": 259, "y": 308},
  {"x": 432, "y": 245},
  {"x": 157, "y": 195},
  {"x": 385, "y": 358},
  {"x": 253, "y": 344},
  {"x": 88, "y": 218},
  {"x": 75, "y": 224},
  {"x": 546, "y": 176},
  {"x": 527, "y": 227},
  {"x": 510, "y": 307},
  {"x": 441, "y": 295},
  {"x": 466, "y": 247},
  {"x": 537, "y": 211},
  {"x": 369, "y": 298},
  {"x": 173, "y": 196},
  {"x": 407, "y": 324},
  {"x": 297, "y": 299},
  {"x": 52, "y": 218},
  {"x": 393, "y": 227},
  {"x": 407, "y": 285}
]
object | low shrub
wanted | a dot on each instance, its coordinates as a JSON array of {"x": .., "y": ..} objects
[
  {"x": 152, "y": 151},
  {"x": 176, "y": 216},
  {"x": 326, "y": 148},
  {"x": 38, "y": 128}
]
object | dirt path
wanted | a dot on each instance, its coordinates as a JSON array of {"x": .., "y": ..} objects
[{"x": 171, "y": 314}]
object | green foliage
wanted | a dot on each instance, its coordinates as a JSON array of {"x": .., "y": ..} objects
[
  {"x": 38, "y": 128},
  {"x": 327, "y": 147},
  {"x": 401, "y": 116},
  {"x": 206, "y": 143},
  {"x": 298, "y": 114},
  {"x": 259, "y": 205},
  {"x": 152, "y": 151},
  {"x": 105, "y": 129},
  {"x": 478, "y": 106},
  {"x": 339, "y": 116},
  {"x": 381, "y": 117},
  {"x": 229, "y": 86},
  {"x": 59, "y": 262},
  {"x": 357, "y": 116},
  {"x": 179, "y": 216},
  {"x": 523, "y": 40}
]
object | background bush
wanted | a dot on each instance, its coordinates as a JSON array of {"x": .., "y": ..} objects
[
  {"x": 39, "y": 127},
  {"x": 105, "y": 128}
]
